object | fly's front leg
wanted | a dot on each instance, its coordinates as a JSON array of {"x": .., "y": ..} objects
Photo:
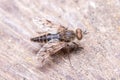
[{"x": 76, "y": 46}]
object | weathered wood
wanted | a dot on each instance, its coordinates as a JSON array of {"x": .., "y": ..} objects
[{"x": 100, "y": 59}]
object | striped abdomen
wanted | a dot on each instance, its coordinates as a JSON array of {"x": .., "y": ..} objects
[{"x": 45, "y": 38}]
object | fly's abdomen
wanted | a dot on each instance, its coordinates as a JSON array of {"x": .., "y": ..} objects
[{"x": 45, "y": 38}]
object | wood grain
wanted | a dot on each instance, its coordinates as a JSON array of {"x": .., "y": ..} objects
[{"x": 100, "y": 59}]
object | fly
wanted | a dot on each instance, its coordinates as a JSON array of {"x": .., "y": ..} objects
[{"x": 56, "y": 42}]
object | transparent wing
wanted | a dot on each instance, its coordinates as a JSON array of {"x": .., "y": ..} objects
[
  {"x": 46, "y": 26},
  {"x": 48, "y": 49}
]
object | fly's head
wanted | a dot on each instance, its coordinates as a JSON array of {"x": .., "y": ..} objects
[{"x": 78, "y": 33}]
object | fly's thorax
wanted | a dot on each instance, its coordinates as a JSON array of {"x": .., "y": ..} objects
[{"x": 67, "y": 35}]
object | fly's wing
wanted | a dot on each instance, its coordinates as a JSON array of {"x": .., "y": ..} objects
[
  {"x": 46, "y": 26},
  {"x": 50, "y": 48}
]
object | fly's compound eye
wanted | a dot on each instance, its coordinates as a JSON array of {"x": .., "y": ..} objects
[{"x": 79, "y": 33}]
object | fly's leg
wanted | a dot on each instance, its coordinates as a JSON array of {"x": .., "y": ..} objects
[
  {"x": 67, "y": 50},
  {"x": 71, "y": 47},
  {"x": 76, "y": 46}
]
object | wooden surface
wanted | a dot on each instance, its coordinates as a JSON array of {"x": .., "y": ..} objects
[{"x": 100, "y": 59}]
